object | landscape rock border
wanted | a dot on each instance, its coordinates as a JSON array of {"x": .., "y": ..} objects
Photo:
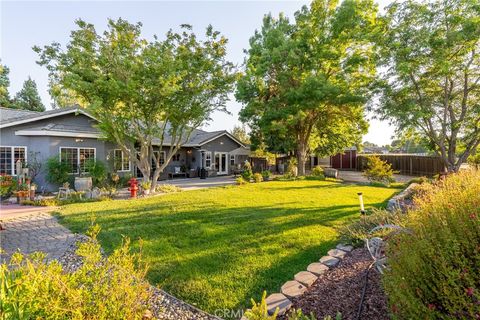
[{"x": 304, "y": 279}]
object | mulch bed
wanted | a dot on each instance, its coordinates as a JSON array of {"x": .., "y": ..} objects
[{"x": 340, "y": 289}]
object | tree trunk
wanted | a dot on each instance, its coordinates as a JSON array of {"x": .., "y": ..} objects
[{"x": 301, "y": 158}]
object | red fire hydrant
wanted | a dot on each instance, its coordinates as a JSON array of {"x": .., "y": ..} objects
[{"x": 133, "y": 187}]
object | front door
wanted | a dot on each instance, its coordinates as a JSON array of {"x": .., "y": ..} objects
[{"x": 221, "y": 163}]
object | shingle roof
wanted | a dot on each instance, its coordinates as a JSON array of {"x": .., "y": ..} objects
[
  {"x": 8, "y": 114},
  {"x": 17, "y": 115},
  {"x": 66, "y": 128}
]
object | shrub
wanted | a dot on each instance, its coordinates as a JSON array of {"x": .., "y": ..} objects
[
  {"x": 435, "y": 269},
  {"x": 58, "y": 172},
  {"x": 257, "y": 177},
  {"x": 247, "y": 173},
  {"x": 7, "y": 185},
  {"x": 146, "y": 185},
  {"x": 259, "y": 311},
  {"x": 101, "y": 288},
  {"x": 356, "y": 232},
  {"x": 266, "y": 174},
  {"x": 317, "y": 171},
  {"x": 291, "y": 168},
  {"x": 167, "y": 188},
  {"x": 97, "y": 170},
  {"x": 379, "y": 171},
  {"x": 240, "y": 181}
]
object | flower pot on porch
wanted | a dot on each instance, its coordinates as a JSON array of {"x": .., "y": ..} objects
[{"x": 83, "y": 183}]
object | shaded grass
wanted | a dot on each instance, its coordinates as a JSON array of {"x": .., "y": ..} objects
[{"x": 217, "y": 248}]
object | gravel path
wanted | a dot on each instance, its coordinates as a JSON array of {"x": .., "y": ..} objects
[{"x": 339, "y": 290}]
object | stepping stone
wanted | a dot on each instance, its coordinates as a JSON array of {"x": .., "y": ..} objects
[
  {"x": 317, "y": 268},
  {"x": 293, "y": 289},
  {"x": 344, "y": 247},
  {"x": 278, "y": 300},
  {"x": 306, "y": 278},
  {"x": 329, "y": 261},
  {"x": 337, "y": 253}
]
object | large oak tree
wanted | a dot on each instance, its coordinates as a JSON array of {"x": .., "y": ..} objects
[
  {"x": 431, "y": 79},
  {"x": 305, "y": 84},
  {"x": 145, "y": 94}
]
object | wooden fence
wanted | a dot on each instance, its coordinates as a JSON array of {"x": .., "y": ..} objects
[{"x": 407, "y": 163}]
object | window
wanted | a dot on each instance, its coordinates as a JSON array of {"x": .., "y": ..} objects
[
  {"x": 208, "y": 160},
  {"x": 232, "y": 159},
  {"x": 162, "y": 157},
  {"x": 120, "y": 161},
  {"x": 176, "y": 157},
  {"x": 9, "y": 157},
  {"x": 76, "y": 158}
]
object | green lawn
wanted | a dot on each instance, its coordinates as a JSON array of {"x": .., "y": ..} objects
[{"x": 217, "y": 248}]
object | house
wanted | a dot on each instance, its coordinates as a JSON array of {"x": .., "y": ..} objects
[{"x": 72, "y": 135}]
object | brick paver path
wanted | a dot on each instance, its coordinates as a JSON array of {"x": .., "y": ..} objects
[{"x": 38, "y": 232}]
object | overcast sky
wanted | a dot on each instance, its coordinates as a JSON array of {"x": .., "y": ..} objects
[{"x": 28, "y": 23}]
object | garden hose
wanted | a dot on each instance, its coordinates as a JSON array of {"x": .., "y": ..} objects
[{"x": 364, "y": 290}]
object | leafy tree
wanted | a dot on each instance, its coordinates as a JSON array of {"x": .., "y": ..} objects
[
  {"x": 241, "y": 134},
  {"x": 28, "y": 98},
  {"x": 4, "y": 84},
  {"x": 431, "y": 82},
  {"x": 146, "y": 95},
  {"x": 305, "y": 84}
]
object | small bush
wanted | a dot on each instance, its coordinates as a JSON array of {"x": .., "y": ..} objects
[
  {"x": 167, "y": 188},
  {"x": 266, "y": 174},
  {"x": 247, "y": 173},
  {"x": 97, "y": 170},
  {"x": 58, "y": 172},
  {"x": 240, "y": 181},
  {"x": 356, "y": 232},
  {"x": 257, "y": 177},
  {"x": 259, "y": 311},
  {"x": 435, "y": 270},
  {"x": 317, "y": 171},
  {"x": 7, "y": 185},
  {"x": 291, "y": 168},
  {"x": 102, "y": 288},
  {"x": 379, "y": 171}
]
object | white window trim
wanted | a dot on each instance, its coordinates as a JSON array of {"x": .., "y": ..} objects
[
  {"x": 232, "y": 157},
  {"x": 211, "y": 159},
  {"x": 123, "y": 155},
  {"x": 12, "y": 150},
  {"x": 78, "y": 155}
]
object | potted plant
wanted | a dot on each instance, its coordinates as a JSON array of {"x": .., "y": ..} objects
[
  {"x": 266, "y": 175},
  {"x": 146, "y": 187},
  {"x": 23, "y": 192}
]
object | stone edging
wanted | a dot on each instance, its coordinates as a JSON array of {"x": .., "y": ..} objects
[
  {"x": 396, "y": 202},
  {"x": 304, "y": 279}
]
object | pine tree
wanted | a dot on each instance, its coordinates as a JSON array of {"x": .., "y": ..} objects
[
  {"x": 28, "y": 98},
  {"x": 4, "y": 83}
]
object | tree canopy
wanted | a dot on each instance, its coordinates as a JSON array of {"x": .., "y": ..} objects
[
  {"x": 241, "y": 134},
  {"x": 146, "y": 95},
  {"x": 431, "y": 79},
  {"x": 28, "y": 98},
  {"x": 305, "y": 84}
]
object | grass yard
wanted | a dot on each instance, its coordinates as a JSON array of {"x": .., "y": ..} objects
[{"x": 217, "y": 248}]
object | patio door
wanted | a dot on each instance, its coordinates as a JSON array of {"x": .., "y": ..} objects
[{"x": 221, "y": 163}]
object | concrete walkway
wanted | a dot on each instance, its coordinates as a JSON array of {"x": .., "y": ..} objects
[
  {"x": 357, "y": 177},
  {"x": 197, "y": 183},
  {"x": 10, "y": 211},
  {"x": 34, "y": 232}
]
